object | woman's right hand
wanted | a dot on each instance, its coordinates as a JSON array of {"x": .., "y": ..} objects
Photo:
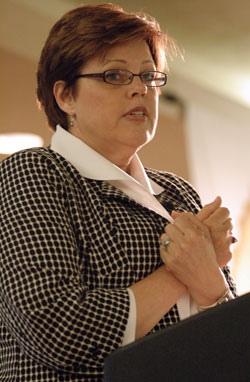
[{"x": 191, "y": 257}]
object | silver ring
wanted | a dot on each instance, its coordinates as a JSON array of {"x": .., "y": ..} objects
[{"x": 166, "y": 242}]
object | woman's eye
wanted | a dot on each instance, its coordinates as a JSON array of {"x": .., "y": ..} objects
[
  {"x": 148, "y": 76},
  {"x": 114, "y": 76}
]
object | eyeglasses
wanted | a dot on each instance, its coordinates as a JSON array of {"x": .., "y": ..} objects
[{"x": 121, "y": 77}]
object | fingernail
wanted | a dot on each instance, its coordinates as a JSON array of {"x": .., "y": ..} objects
[{"x": 234, "y": 240}]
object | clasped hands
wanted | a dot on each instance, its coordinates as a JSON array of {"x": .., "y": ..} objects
[{"x": 199, "y": 246}]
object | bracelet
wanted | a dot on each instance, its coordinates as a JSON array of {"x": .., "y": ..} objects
[{"x": 224, "y": 298}]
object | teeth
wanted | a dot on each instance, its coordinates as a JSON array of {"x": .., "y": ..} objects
[{"x": 137, "y": 113}]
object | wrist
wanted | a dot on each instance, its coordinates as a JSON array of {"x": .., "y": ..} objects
[
  {"x": 227, "y": 296},
  {"x": 170, "y": 278},
  {"x": 211, "y": 292}
]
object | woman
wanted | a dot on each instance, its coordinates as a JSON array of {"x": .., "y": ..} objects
[{"x": 82, "y": 269}]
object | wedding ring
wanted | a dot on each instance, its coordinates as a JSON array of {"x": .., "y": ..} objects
[{"x": 166, "y": 242}]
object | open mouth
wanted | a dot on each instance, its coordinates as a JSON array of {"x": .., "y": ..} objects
[
  {"x": 141, "y": 113},
  {"x": 138, "y": 111}
]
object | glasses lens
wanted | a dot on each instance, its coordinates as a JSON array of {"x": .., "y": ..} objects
[
  {"x": 118, "y": 77},
  {"x": 154, "y": 78}
]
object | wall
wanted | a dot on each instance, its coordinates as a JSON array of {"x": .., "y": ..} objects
[
  {"x": 168, "y": 149},
  {"x": 218, "y": 142},
  {"x": 18, "y": 108}
]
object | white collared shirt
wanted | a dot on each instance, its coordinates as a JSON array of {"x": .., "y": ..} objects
[{"x": 137, "y": 186}]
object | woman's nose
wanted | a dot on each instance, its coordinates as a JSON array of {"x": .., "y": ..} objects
[{"x": 137, "y": 87}]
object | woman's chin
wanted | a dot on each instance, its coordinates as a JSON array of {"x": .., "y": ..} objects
[{"x": 139, "y": 140}]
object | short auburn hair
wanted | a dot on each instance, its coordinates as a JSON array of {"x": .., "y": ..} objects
[{"x": 80, "y": 35}]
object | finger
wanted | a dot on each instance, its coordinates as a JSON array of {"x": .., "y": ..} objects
[
  {"x": 175, "y": 214},
  {"x": 227, "y": 226},
  {"x": 173, "y": 233},
  {"x": 218, "y": 217},
  {"x": 218, "y": 228},
  {"x": 165, "y": 257},
  {"x": 234, "y": 240},
  {"x": 163, "y": 239},
  {"x": 209, "y": 208},
  {"x": 231, "y": 240},
  {"x": 189, "y": 224}
]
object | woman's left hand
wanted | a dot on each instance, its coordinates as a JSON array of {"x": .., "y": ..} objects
[{"x": 218, "y": 220}]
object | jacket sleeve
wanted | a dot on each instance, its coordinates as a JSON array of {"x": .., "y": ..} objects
[{"x": 55, "y": 318}]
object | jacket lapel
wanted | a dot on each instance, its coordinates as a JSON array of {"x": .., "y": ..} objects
[{"x": 110, "y": 192}]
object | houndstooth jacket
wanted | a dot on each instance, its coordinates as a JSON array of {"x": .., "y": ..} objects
[{"x": 69, "y": 248}]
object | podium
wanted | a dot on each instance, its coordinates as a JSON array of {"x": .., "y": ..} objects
[{"x": 208, "y": 347}]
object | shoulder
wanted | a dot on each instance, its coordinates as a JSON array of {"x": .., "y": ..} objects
[
  {"x": 38, "y": 168},
  {"x": 31, "y": 156},
  {"x": 35, "y": 160},
  {"x": 41, "y": 166}
]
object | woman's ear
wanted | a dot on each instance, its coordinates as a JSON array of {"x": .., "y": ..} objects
[{"x": 64, "y": 97}]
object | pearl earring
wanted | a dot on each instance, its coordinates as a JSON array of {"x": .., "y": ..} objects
[{"x": 71, "y": 121}]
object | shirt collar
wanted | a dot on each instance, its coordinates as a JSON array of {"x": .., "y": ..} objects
[{"x": 93, "y": 165}]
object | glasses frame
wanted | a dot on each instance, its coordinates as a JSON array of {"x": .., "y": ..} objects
[{"x": 103, "y": 76}]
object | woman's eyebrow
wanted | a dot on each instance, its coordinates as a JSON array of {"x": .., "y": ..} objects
[
  {"x": 114, "y": 60},
  {"x": 125, "y": 62}
]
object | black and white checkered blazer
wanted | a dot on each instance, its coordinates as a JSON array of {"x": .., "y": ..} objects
[{"x": 69, "y": 248}]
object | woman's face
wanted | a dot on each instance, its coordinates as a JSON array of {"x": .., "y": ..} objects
[{"x": 102, "y": 111}]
